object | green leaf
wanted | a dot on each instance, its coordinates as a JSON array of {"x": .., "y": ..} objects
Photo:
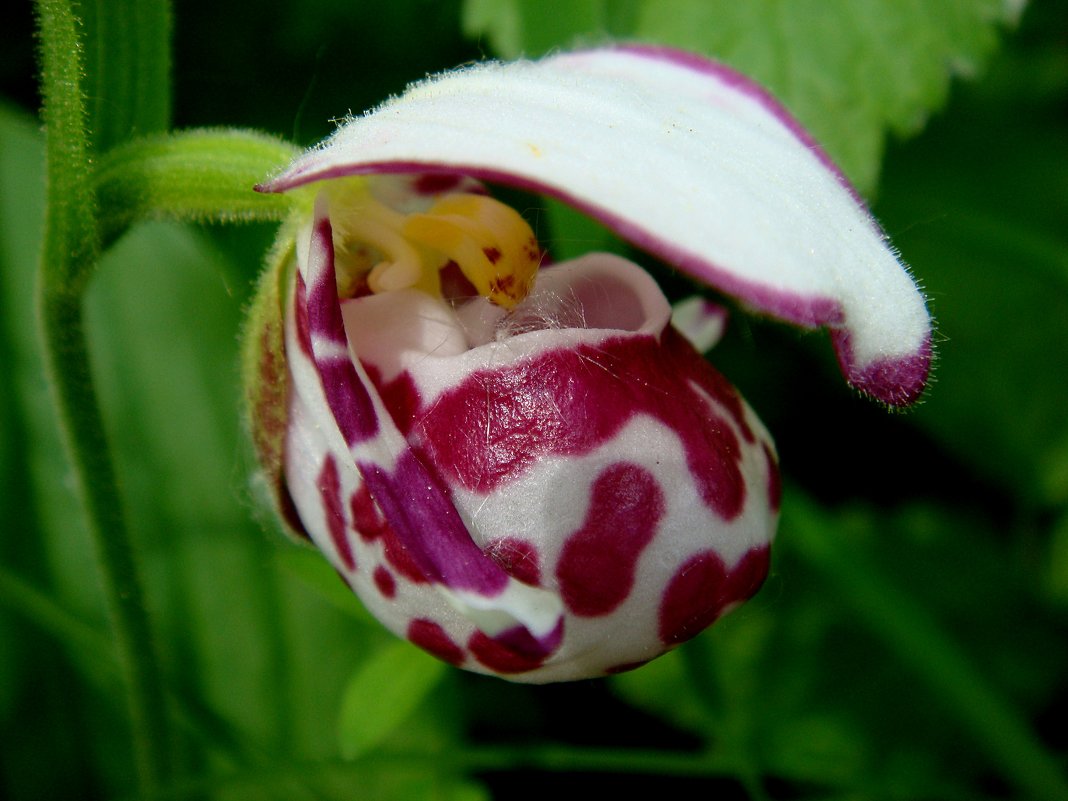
[
  {"x": 128, "y": 69},
  {"x": 663, "y": 688},
  {"x": 497, "y": 20},
  {"x": 1057, "y": 574},
  {"x": 572, "y": 234},
  {"x": 978, "y": 207},
  {"x": 821, "y": 748},
  {"x": 382, "y": 693},
  {"x": 894, "y": 613},
  {"x": 849, "y": 70},
  {"x": 45, "y": 507},
  {"x": 312, "y": 569}
]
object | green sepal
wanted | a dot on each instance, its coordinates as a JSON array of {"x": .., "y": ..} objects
[{"x": 265, "y": 374}]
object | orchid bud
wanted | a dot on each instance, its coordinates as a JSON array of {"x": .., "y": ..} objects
[{"x": 523, "y": 467}]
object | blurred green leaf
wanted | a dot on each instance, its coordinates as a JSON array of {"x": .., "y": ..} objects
[
  {"x": 851, "y": 561},
  {"x": 1057, "y": 574},
  {"x": 48, "y": 505},
  {"x": 821, "y": 748},
  {"x": 850, "y": 71},
  {"x": 663, "y": 688},
  {"x": 382, "y": 693},
  {"x": 978, "y": 207},
  {"x": 46, "y": 538},
  {"x": 791, "y": 686},
  {"x": 572, "y": 234},
  {"x": 19, "y": 156},
  {"x": 312, "y": 569},
  {"x": 531, "y": 28},
  {"x": 128, "y": 68}
]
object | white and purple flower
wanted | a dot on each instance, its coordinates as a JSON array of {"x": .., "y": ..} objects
[{"x": 525, "y": 469}]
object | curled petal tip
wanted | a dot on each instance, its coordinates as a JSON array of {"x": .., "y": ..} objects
[{"x": 897, "y": 381}]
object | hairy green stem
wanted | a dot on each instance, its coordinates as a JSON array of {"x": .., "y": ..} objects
[
  {"x": 203, "y": 176},
  {"x": 70, "y": 252},
  {"x": 90, "y": 456}
]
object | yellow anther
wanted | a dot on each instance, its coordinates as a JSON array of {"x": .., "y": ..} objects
[
  {"x": 380, "y": 249},
  {"x": 492, "y": 244}
]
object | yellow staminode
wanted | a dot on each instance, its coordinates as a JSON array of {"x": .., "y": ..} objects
[{"x": 491, "y": 243}]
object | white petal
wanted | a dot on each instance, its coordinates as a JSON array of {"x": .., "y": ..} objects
[
  {"x": 684, "y": 158},
  {"x": 701, "y": 321}
]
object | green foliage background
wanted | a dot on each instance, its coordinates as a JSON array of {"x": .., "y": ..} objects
[{"x": 910, "y": 642}]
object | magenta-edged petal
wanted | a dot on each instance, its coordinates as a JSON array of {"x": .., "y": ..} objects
[{"x": 683, "y": 157}]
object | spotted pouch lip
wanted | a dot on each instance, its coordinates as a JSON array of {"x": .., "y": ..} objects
[
  {"x": 569, "y": 490},
  {"x": 554, "y": 488}
]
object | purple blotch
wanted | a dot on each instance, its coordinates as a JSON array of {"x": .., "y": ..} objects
[
  {"x": 598, "y": 562},
  {"x": 329, "y": 484},
  {"x": 429, "y": 528},
  {"x": 569, "y": 401},
  {"x": 346, "y": 394}
]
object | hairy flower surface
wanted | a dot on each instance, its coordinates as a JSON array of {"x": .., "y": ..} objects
[{"x": 525, "y": 469}]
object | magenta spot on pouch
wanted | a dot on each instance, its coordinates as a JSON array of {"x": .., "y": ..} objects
[
  {"x": 515, "y": 650},
  {"x": 569, "y": 401},
  {"x": 432, "y": 638},
  {"x": 598, "y": 562},
  {"x": 372, "y": 525},
  {"x": 428, "y": 529},
  {"x": 348, "y": 400},
  {"x": 702, "y": 589},
  {"x": 346, "y": 394},
  {"x": 400, "y": 396},
  {"x": 367, "y": 519},
  {"x": 329, "y": 484},
  {"x": 385, "y": 582},
  {"x": 519, "y": 558}
]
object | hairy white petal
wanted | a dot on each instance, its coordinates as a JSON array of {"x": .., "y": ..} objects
[{"x": 685, "y": 158}]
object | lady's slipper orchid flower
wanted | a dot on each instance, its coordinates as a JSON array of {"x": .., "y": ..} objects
[{"x": 525, "y": 469}]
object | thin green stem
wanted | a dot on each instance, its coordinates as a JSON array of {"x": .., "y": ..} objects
[
  {"x": 90, "y": 456},
  {"x": 69, "y": 255},
  {"x": 893, "y": 615}
]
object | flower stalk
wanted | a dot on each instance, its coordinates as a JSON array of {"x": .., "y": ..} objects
[{"x": 69, "y": 255}]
